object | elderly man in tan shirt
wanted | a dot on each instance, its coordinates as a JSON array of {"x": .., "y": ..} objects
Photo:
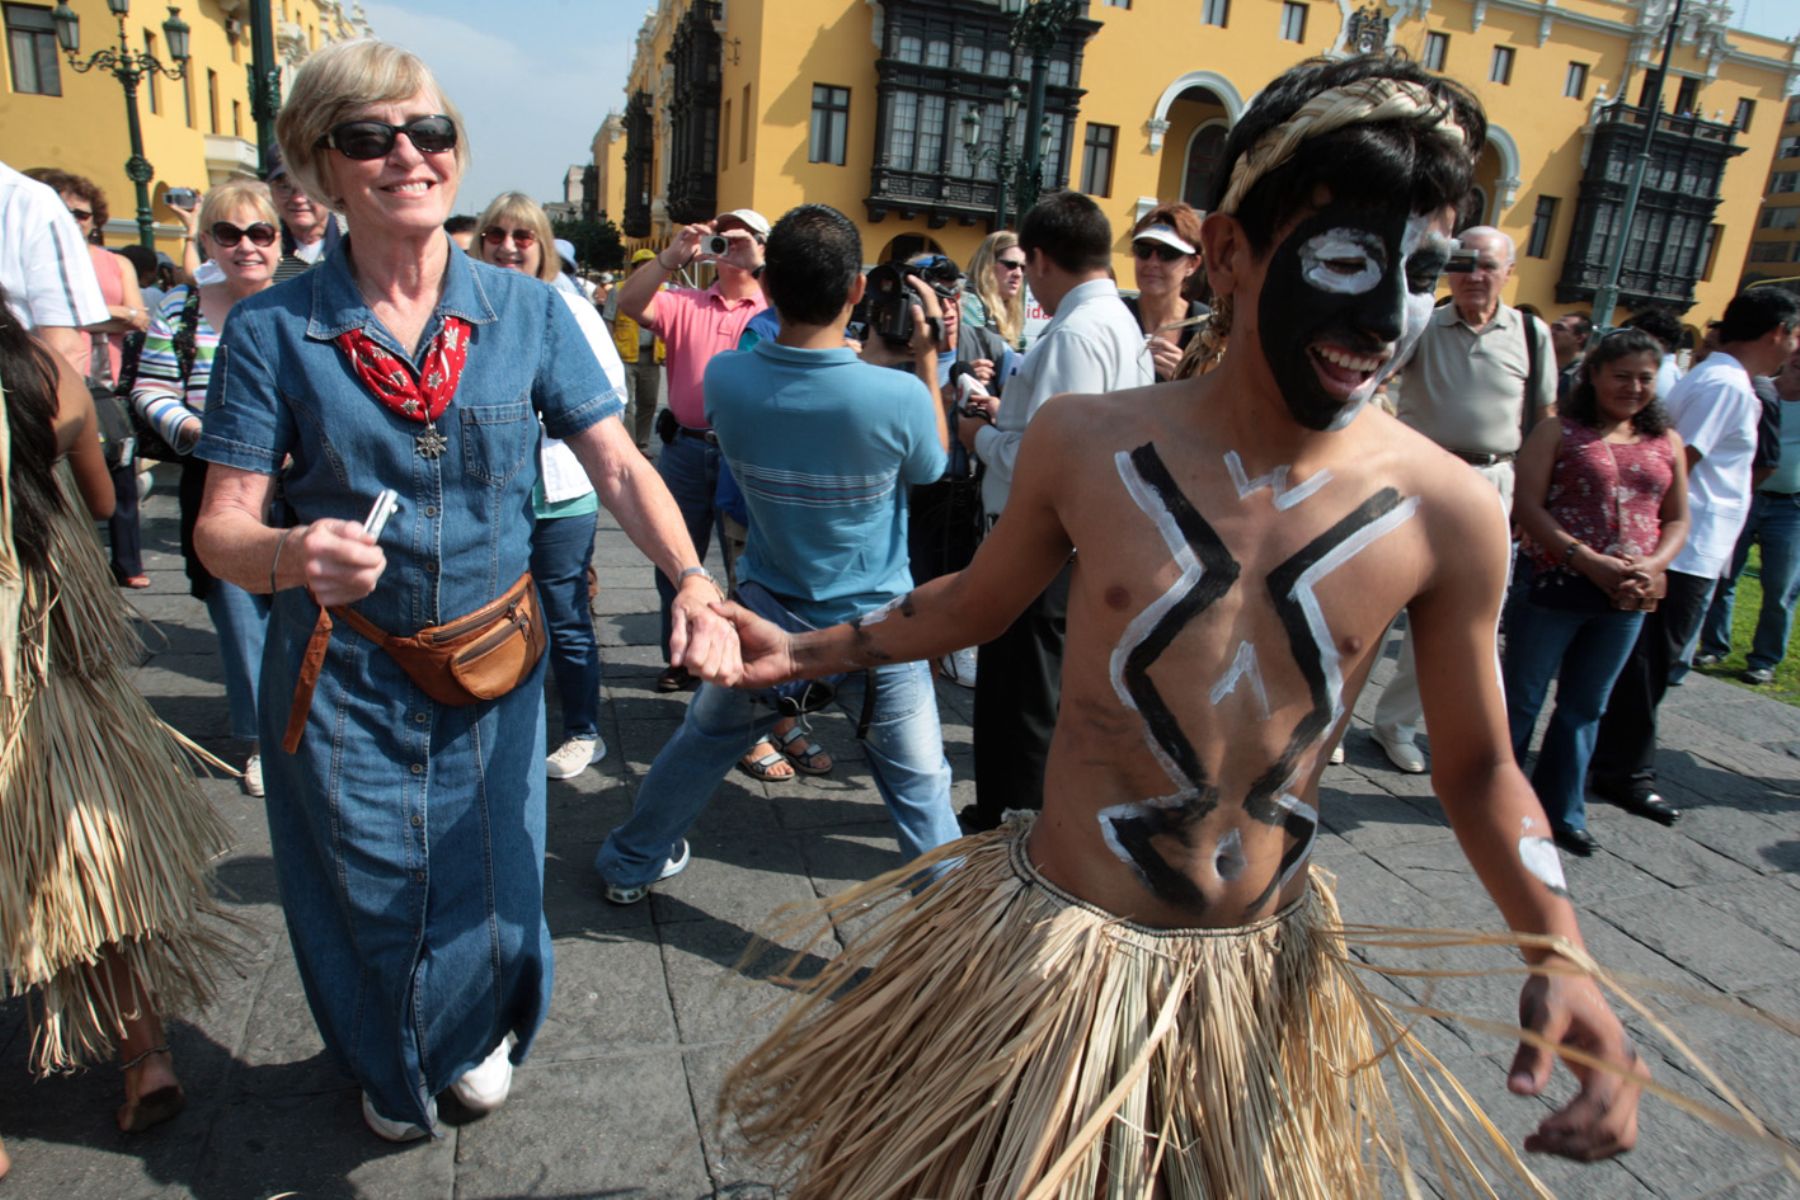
[{"x": 1465, "y": 389}]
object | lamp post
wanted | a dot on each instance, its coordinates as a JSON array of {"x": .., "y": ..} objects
[
  {"x": 128, "y": 67},
  {"x": 265, "y": 83},
  {"x": 1037, "y": 26},
  {"x": 1001, "y": 154}
]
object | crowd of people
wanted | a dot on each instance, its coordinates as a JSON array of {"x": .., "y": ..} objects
[{"x": 395, "y": 429}]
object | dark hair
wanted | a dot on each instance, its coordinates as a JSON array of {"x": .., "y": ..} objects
[
  {"x": 1373, "y": 164},
  {"x": 142, "y": 260},
  {"x": 1756, "y": 310},
  {"x": 1583, "y": 404},
  {"x": 81, "y": 185},
  {"x": 1071, "y": 229},
  {"x": 1660, "y": 324},
  {"x": 1584, "y": 324},
  {"x": 810, "y": 263},
  {"x": 460, "y": 223},
  {"x": 31, "y": 403}
]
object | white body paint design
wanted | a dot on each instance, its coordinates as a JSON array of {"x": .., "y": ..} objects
[
  {"x": 1540, "y": 858},
  {"x": 1310, "y": 815},
  {"x": 1243, "y": 666},
  {"x": 1419, "y": 307},
  {"x": 1347, "y": 262},
  {"x": 880, "y": 614},
  {"x": 1283, "y": 496},
  {"x": 1228, "y": 860}
]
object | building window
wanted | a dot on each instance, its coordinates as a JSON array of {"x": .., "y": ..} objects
[
  {"x": 1097, "y": 159},
  {"x": 31, "y": 44},
  {"x": 1687, "y": 96},
  {"x": 1793, "y": 110},
  {"x": 1437, "y": 48},
  {"x": 212, "y": 98},
  {"x": 1575, "y": 82},
  {"x": 1215, "y": 12},
  {"x": 1118, "y": 3},
  {"x": 695, "y": 107},
  {"x": 744, "y": 126},
  {"x": 1542, "y": 222},
  {"x": 1769, "y": 252},
  {"x": 1500, "y": 70},
  {"x": 153, "y": 79},
  {"x": 1203, "y": 156},
  {"x": 830, "y": 124},
  {"x": 237, "y": 119},
  {"x": 1789, "y": 148},
  {"x": 1293, "y": 21},
  {"x": 1746, "y": 111},
  {"x": 1779, "y": 218},
  {"x": 1784, "y": 181}
]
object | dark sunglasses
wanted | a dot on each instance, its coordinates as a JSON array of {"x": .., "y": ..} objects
[
  {"x": 1010, "y": 264},
  {"x": 493, "y": 235},
  {"x": 81, "y": 214},
  {"x": 364, "y": 140},
  {"x": 1161, "y": 250},
  {"x": 226, "y": 235}
]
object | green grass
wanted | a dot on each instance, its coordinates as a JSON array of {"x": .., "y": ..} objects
[{"x": 1786, "y": 687}]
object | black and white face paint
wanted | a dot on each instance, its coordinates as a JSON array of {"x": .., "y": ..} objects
[{"x": 1347, "y": 294}]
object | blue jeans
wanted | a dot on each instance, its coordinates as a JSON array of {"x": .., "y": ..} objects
[
  {"x": 690, "y": 469},
  {"x": 904, "y": 747},
  {"x": 1584, "y": 653},
  {"x": 1774, "y": 524},
  {"x": 561, "y": 549},
  {"x": 242, "y": 620}
]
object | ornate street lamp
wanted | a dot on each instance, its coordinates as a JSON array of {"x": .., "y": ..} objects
[
  {"x": 1001, "y": 154},
  {"x": 1037, "y": 26},
  {"x": 128, "y": 67}
]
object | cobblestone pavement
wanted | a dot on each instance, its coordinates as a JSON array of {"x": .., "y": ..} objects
[{"x": 617, "y": 1099}]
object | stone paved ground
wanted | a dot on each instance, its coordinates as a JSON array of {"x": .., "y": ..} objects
[{"x": 617, "y": 1099}]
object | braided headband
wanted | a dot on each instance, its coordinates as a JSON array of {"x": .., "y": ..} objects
[{"x": 1372, "y": 100}]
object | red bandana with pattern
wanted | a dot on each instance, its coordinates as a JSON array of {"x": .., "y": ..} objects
[{"x": 391, "y": 379}]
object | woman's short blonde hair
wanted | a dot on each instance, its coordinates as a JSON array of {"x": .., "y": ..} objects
[
  {"x": 516, "y": 210},
  {"x": 336, "y": 83},
  {"x": 235, "y": 194}
]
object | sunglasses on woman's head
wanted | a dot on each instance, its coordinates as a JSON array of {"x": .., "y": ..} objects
[
  {"x": 1010, "y": 264},
  {"x": 493, "y": 235},
  {"x": 1161, "y": 250},
  {"x": 364, "y": 140},
  {"x": 226, "y": 235}
]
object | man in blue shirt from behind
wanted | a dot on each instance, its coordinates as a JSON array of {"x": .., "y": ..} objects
[{"x": 825, "y": 448}]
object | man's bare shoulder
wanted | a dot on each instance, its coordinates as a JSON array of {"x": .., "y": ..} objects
[{"x": 1075, "y": 420}]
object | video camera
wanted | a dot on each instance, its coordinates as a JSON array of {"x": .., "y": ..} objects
[{"x": 888, "y": 300}]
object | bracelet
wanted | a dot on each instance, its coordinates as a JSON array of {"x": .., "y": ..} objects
[
  {"x": 703, "y": 573},
  {"x": 1569, "y": 550},
  {"x": 276, "y": 561},
  {"x": 666, "y": 267}
]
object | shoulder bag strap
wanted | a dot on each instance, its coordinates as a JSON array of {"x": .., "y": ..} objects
[{"x": 187, "y": 331}]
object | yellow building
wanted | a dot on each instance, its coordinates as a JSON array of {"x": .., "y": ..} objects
[
  {"x": 1776, "y": 239},
  {"x": 865, "y": 106},
  {"x": 197, "y": 130}
]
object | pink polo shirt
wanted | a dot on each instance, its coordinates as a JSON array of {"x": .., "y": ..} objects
[{"x": 695, "y": 325}]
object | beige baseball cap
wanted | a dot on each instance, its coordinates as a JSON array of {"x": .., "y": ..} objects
[{"x": 749, "y": 218}]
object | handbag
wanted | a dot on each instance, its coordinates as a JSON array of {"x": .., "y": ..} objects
[
  {"x": 118, "y": 444},
  {"x": 150, "y": 441},
  {"x": 482, "y": 655}
]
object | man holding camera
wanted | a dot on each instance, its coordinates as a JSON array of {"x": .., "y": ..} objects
[
  {"x": 824, "y": 447},
  {"x": 1092, "y": 345},
  {"x": 695, "y": 325}
]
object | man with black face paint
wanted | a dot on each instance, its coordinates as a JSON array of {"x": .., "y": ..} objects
[
  {"x": 1244, "y": 538},
  {"x": 1466, "y": 389}
]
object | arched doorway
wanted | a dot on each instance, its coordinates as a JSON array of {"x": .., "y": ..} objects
[
  {"x": 903, "y": 246},
  {"x": 1199, "y": 173},
  {"x": 1188, "y": 128}
]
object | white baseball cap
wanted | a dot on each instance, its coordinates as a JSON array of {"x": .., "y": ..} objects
[{"x": 749, "y": 218}]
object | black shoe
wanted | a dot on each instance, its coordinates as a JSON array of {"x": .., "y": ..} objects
[
  {"x": 676, "y": 679},
  {"x": 973, "y": 820},
  {"x": 1578, "y": 842},
  {"x": 1651, "y": 805}
]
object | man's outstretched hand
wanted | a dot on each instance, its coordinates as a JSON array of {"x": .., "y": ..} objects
[
  {"x": 1601, "y": 1120},
  {"x": 764, "y": 647}
]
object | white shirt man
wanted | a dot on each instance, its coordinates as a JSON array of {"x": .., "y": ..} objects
[{"x": 45, "y": 267}]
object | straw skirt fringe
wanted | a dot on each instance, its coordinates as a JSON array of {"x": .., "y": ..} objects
[
  {"x": 105, "y": 835},
  {"x": 992, "y": 1036}
]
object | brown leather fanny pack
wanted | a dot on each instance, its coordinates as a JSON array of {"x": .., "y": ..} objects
[{"x": 480, "y": 656}]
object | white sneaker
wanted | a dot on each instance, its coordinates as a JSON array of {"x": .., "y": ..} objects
[
  {"x": 252, "y": 779},
  {"x": 1337, "y": 755},
  {"x": 1402, "y": 752},
  {"x": 398, "y": 1131},
  {"x": 575, "y": 756},
  {"x": 959, "y": 667},
  {"x": 482, "y": 1089}
]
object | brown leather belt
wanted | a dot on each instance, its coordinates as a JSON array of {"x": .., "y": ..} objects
[{"x": 1483, "y": 460}]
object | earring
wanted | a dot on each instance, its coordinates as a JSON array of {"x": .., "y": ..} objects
[{"x": 1208, "y": 346}]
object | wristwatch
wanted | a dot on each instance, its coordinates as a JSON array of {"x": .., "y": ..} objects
[{"x": 702, "y": 572}]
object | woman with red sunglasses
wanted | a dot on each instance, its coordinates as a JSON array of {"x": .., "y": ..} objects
[{"x": 240, "y": 235}]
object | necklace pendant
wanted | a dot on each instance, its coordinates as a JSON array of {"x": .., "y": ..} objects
[{"x": 431, "y": 443}]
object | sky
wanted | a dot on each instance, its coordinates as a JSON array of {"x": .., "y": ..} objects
[{"x": 535, "y": 78}]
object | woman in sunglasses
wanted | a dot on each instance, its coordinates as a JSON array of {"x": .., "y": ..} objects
[
  {"x": 1166, "y": 257},
  {"x": 995, "y": 295},
  {"x": 403, "y": 383},
  {"x": 514, "y": 234},
  {"x": 238, "y": 233}
]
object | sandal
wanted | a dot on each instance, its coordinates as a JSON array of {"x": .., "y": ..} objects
[
  {"x": 805, "y": 758},
  {"x": 764, "y": 766},
  {"x": 134, "y": 581}
]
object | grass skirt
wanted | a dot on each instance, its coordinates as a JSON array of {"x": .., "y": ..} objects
[
  {"x": 994, "y": 1036},
  {"x": 106, "y": 837}
]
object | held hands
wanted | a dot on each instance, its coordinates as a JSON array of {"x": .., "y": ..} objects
[
  {"x": 766, "y": 649},
  {"x": 339, "y": 563},
  {"x": 1608, "y": 572},
  {"x": 1601, "y": 1121},
  {"x": 701, "y": 639}
]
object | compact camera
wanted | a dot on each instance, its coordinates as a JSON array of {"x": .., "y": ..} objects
[
  {"x": 182, "y": 198},
  {"x": 718, "y": 245},
  {"x": 1462, "y": 259}
]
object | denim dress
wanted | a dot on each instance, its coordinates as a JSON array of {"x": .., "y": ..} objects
[{"x": 408, "y": 836}]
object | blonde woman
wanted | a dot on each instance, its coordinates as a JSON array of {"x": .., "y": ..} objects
[
  {"x": 514, "y": 234},
  {"x": 995, "y": 295}
]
